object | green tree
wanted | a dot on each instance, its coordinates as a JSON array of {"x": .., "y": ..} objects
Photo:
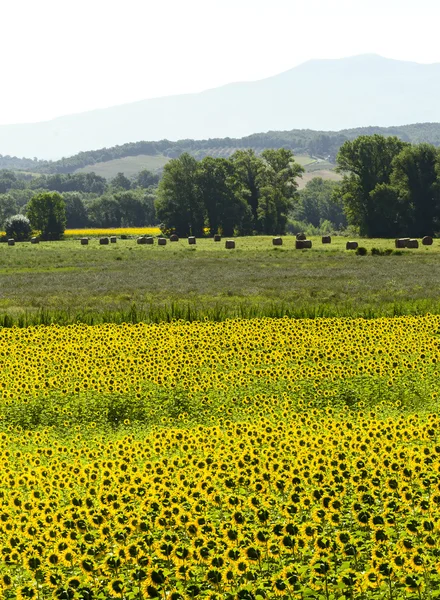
[
  {"x": 319, "y": 201},
  {"x": 278, "y": 191},
  {"x": 248, "y": 169},
  {"x": 226, "y": 209},
  {"x": 416, "y": 178},
  {"x": 18, "y": 227},
  {"x": 367, "y": 162},
  {"x": 146, "y": 179},
  {"x": 104, "y": 211},
  {"x": 8, "y": 207},
  {"x": 120, "y": 182},
  {"x": 179, "y": 205},
  {"x": 47, "y": 214},
  {"x": 76, "y": 213}
]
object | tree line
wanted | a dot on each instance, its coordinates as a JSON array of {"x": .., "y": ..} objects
[
  {"x": 390, "y": 188},
  {"x": 90, "y": 200},
  {"x": 324, "y": 144},
  {"x": 241, "y": 195}
]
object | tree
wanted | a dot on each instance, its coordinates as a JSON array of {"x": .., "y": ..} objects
[
  {"x": 120, "y": 182},
  {"x": 146, "y": 179},
  {"x": 18, "y": 227},
  {"x": 416, "y": 178},
  {"x": 366, "y": 163},
  {"x": 104, "y": 211},
  {"x": 47, "y": 214},
  {"x": 226, "y": 209},
  {"x": 179, "y": 205},
  {"x": 8, "y": 208},
  {"x": 76, "y": 213},
  {"x": 248, "y": 168},
  {"x": 279, "y": 189},
  {"x": 319, "y": 201}
]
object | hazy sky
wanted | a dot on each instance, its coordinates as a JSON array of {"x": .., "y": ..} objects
[{"x": 60, "y": 57}]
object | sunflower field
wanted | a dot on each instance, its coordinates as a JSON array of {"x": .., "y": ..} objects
[{"x": 244, "y": 460}]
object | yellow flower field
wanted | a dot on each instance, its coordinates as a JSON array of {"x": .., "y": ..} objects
[
  {"x": 70, "y": 233},
  {"x": 239, "y": 460}
]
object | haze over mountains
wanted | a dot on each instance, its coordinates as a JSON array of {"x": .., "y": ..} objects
[{"x": 319, "y": 94}]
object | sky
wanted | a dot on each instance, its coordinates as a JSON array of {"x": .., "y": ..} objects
[{"x": 60, "y": 57}]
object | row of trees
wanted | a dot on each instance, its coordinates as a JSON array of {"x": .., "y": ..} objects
[
  {"x": 243, "y": 194},
  {"x": 390, "y": 188}
]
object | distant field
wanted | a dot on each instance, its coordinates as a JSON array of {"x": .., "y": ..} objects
[
  {"x": 324, "y": 173},
  {"x": 305, "y": 161},
  {"x": 130, "y": 165},
  {"x": 94, "y": 282}
]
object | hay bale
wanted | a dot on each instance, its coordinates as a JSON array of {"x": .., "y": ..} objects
[
  {"x": 230, "y": 244},
  {"x": 427, "y": 240},
  {"x": 412, "y": 244},
  {"x": 149, "y": 240},
  {"x": 162, "y": 241},
  {"x": 277, "y": 241},
  {"x": 191, "y": 240},
  {"x": 113, "y": 239},
  {"x": 217, "y": 237},
  {"x": 104, "y": 241},
  {"x": 326, "y": 239},
  {"x": 35, "y": 240},
  {"x": 174, "y": 238},
  {"x": 84, "y": 241},
  {"x": 301, "y": 236},
  {"x": 142, "y": 240},
  {"x": 124, "y": 236},
  {"x": 11, "y": 242},
  {"x": 401, "y": 242},
  {"x": 351, "y": 245},
  {"x": 307, "y": 243}
]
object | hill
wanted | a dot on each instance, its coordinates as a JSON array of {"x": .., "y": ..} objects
[{"x": 323, "y": 94}]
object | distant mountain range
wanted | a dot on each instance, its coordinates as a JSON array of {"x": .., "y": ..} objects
[{"x": 319, "y": 94}]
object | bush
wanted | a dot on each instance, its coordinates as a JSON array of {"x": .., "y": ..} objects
[
  {"x": 18, "y": 227},
  {"x": 361, "y": 251},
  {"x": 380, "y": 252}
]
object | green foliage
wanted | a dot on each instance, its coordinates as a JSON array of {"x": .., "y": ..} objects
[
  {"x": 8, "y": 208},
  {"x": 320, "y": 201},
  {"x": 47, "y": 214},
  {"x": 361, "y": 251},
  {"x": 18, "y": 227},
  {"x": 120, "y": 182}
]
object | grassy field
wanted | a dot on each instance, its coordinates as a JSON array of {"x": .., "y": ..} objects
[
  {"x": 63, "y": 281},
  {"x": 130, "y": 165}
]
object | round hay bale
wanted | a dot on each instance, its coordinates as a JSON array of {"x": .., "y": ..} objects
[
  {"x": 35, "y": 240},
  {"x": 84, "y": 241},
  {"x": 427, "y": 240},
  {"x": 326, "y": 239},
  {"x": 104, "y": 241},
  {"x": 162, "y": 241},
  {"x": 307, "y": 243},
  {"x": 351, "y": 245},
  {"x": 113, "y": 239},
  {"x": 141, "y": 240},
  {"x": 301, "y": 236},
  {"x": 149, "y": 240},
  {"x": 217, "y": 237},
  {"x": 412, "y": 244},
  {"x": 174, "y": 238},
  {"x": 124, "y": 236},
  {"x": 229, "y": 244},
  {"x": 11, "y": 242},
  {"x": 299, "y": 244},
  {"x": 277, "y": 241},
  {"x": 191, "y": 240},
  {"x": 401, "y": 242}
]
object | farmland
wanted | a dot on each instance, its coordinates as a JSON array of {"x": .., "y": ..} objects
[
  {"x": 174, "y": 449},
  {"x": 69, "y": 282}
]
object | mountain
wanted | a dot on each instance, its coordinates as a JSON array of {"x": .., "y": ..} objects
[{"x": 319, "y": 94}]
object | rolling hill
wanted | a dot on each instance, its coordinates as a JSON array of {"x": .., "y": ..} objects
[{"x": 320, "y": 94}]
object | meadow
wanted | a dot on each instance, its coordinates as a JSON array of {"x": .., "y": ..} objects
[
  {"x": 64, "y": 282},
  {"x": 249, "y": 459}
]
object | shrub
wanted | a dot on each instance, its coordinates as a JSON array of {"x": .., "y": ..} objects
[
  {"x": 18, "y": 227},
  {"x": 361, "y": 251}
]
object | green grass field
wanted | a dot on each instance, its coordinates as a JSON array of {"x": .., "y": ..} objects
[
  {"x": 130, "y": 165},
  {"x": 64, "y": 282}
]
